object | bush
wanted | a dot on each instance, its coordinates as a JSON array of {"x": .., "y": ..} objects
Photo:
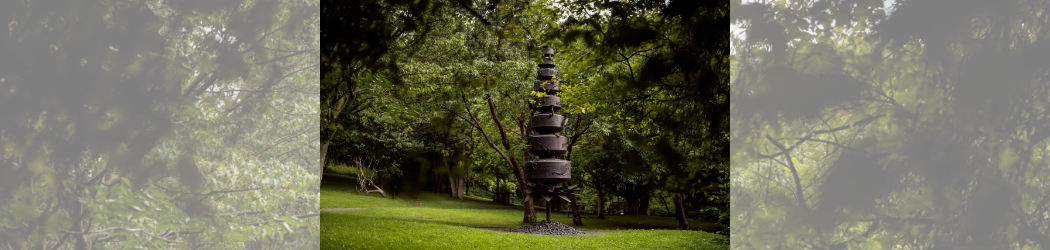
[{"x": 343, "y": 169}]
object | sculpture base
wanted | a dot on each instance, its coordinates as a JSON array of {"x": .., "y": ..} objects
[{"x": 548, "y": 227}]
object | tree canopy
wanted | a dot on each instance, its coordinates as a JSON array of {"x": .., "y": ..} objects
[
  {"x": 907, "y": 124},
  {"x": 441, "y": 90},
  {"x": 153, "y": 124}
]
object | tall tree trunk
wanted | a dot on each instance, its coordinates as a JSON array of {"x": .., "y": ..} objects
[
  {"x": 683, "y": 224},
  {"x": 601, "y": 202},
  {"x": 496, "y": 195},
  {"x": 339, "y": 105},
  {"x": 441, "y": 182},
  {"x": 81, "y": 241},
  {"x": 643, "y": 204},
  {"x": 664, "y": 201},
  {"x": 450, "y": 166},
  {"x": 324, "y": 151},
  {"x": 452, "y": 187},
  {"x": 700, "y": 204},
  {"x": 576, "y": 220},
  {"x": 530, "y": 210},
  {"x": 632, "y": 204},
  {"x": 459, "y": 188}
]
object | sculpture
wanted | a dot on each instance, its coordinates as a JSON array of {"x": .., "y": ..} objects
[{"x": 548, "y": 171}]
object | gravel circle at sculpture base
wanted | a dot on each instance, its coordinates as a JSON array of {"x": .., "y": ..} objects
[{"x": 548, "y": 227}]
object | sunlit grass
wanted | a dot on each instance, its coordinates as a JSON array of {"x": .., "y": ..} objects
[
  {"x": 435, "y": 228},
  {"x": 436, "y": 221}
]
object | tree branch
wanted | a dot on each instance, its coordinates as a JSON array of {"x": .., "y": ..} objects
[
  {"x": 810, "y": 135},
  {"x": 466, "y": 6},
  {"x": 794, "y": 173}
]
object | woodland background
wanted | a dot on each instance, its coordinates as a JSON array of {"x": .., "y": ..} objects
[
  {"x": 159, "y": 124},
  {"x": 435, "y": 98},
  {"x": 901, "y": 124}
]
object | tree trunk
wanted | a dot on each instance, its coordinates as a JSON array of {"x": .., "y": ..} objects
[
  {"x": 664, "y": 201},
  {"x": 82, "y": 240},
  {"x": 576, "y": 220},
  {"x": 632, "y": 204},
  {"x": 440, "y": 182},
  {"x": 366, "y": 181},
  {"x": 700, "y": 204},
  {"x": 643, "y": 204},
  {"x": 683, "y": 224},
  {"x": 378, "y": 190},
  {"x": 496, "y": 194},
  {"x": 530, "y": 209},
  {"x": 452, "y": 187},
  {"x": 459, "y": 188},
  {"x": 324, "y": 151},
  {"x": 601, "y": 203},
  {"x": 340, "y": 105}
]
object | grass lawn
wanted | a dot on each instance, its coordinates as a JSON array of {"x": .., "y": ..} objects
[{"x": 435, "y": 221}]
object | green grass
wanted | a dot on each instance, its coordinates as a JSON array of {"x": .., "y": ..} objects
[
  {"x": 345, "y": 199},
  {"x": 373, "y": 229},
  {"x": 345, "y": 195},
  {"x": 340, "y": 199},
  {"x": 435, "y": 221}
]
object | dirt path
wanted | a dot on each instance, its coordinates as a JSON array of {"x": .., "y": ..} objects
[
  {"x": 349, "y": 208},
  {"x": 508, "y": 230},
  {"x": 353, "y": 208}
]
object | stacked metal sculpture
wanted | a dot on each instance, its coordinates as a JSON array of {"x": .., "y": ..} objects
[{"x": 547, "y": 171}]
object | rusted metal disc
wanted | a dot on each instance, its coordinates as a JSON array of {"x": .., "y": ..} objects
[
  {"x": 548, "y": 62},
  {"x": 548, "y": 103},
  {"x": 548, "y": 171},
  {"x": 546, "y": 74},
  {"x": 549, "y": 87},
  {"x": 547, "y": 50},
  {"x": 548, "y": 145},
  {"x": 547, "y": 123}
]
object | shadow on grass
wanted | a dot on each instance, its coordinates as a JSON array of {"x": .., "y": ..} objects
[
  {"x": 347, "y": 184},
  {"x": 509, "y": 219}
]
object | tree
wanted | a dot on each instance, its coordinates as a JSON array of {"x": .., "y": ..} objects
[
  {"x": 459, "y": 75},
  {"x": 141, "y": 124},
  {"x": 661, "y": 71},
  {"x": 909, "y": 124},
  {"x": 354, "y": 39}
]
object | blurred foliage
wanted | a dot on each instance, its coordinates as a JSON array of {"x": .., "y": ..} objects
[
  {"x": 146, "y": 124},
  {"x": 908, "y": 124}
]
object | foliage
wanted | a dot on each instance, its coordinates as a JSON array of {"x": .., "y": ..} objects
[
  {"x": 911, "y": 124},
  {"x": 456, "y": 76},
  {"x": 146, "y": 124},
  {"x": 660, "y": 72}
]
